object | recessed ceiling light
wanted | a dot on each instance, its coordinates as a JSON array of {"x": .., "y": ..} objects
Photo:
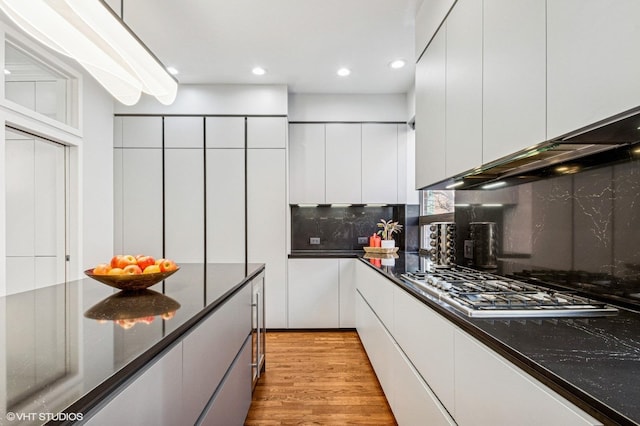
[
  {"x": 6, "y": 72},
  {"x": 172, "y": 70},
  {"x": 259, "y": 71},
  {"x": 398, "y": 63},
  {"x": 343, "y": 72}
]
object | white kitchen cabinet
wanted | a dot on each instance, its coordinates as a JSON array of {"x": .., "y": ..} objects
[
  {"x": 184, "y": 205},
  {"x": 409, "y": 397},
  {"x": 307, "y": 163},
  {"x": 313, "y": 295},
  {"x": 378, "y": 344},
  {"x": 414, "y": 403},
  {"x": 225, "y": 132},
  {"x": 430, "y": 112},
  {"x": 428, "y": 340},
  {"x": 266, "y": 132},
  {"x": 343, "y": 143},
  {"x": 153, "y": 398},
  {"x": 347, "y": 292},
  {"x": 591, "y": 74},
  {"x": 407, "y": 165},
  {"x": 210, "y": 349},
  {"x": 514, "y": 76},
  {"x": 183, "y": 132},
  {"x": 140, "y": 200},
  {"x": 378, "y": 292},
  {"x": 225, "y": 205},
  {"x": 267, "y": 227},
  {"x": 463, "y": 114},
  {"x": 379, "y": 163},
  {"x": 491, "y": 391},
  {"x": 138, "y": 132}
]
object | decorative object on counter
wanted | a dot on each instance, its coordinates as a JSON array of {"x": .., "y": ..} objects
[
  {"x": 484, "y": 245},
  {"x": 129, "y": 308},
  {"x": 374, "y": 241},
  {"x": 127, "y": 272},
  {"x": 389, "y": 228},
  {"x": 441, "y": 243}
]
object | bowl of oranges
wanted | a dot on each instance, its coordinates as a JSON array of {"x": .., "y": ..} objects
[{"x": 127, "y": 272}]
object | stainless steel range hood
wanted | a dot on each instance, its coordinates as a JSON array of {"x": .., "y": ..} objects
[{"x": 613, "y": 139}]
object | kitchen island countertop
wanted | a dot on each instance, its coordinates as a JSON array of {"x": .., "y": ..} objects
[{"x": 68, "y": 346}]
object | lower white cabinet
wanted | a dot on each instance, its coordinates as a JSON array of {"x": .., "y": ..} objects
[
  {"x": 231, "y": 404},
  {"x": 321, "y": 293},
  {"x": 313, "y": 293},
  {"x": 152, "y": 399},
  {"x": 411, "y": 400},
  {"x": 491, "y": 391}
]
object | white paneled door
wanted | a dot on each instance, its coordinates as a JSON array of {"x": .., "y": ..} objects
[{"x": 35, "y": 212}]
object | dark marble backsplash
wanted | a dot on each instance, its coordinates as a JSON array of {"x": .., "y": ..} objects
[
  {"x": 580, "y": 230},
  {"x": 339, "y": 227}
]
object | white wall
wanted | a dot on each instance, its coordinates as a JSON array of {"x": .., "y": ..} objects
[
  {"x": 212, "y": 99},
  {"x": 96, "y": 176},
  {"x": 357, "y": 108}
]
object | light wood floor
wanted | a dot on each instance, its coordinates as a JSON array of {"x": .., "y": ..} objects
[{"x": 318, "y": 378}]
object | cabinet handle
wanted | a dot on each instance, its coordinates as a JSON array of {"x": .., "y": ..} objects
[{"x": 259, "y": 349}]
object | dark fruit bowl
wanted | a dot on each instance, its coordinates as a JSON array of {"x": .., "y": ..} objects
[{"x": 130, "y": 282}]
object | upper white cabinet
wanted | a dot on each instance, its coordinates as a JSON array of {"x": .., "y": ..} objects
[
  {"x": 379, "y": 163},
  {"x": 514, "y": 76},
  {"x": 266, "y": 132},
  {"x": 592, "y": 70},
  {"x": 343, "y": 162},
  {"x": 347, "y": 163},
  {"x": 183, "y": 132},
  {"x": 224, "y": 132},
  {"x": 430, "y": 112},
  {"x": 138, "y": 132},
  {"x": 306, "y": 163},
  {"x": 463, "y": 114}
]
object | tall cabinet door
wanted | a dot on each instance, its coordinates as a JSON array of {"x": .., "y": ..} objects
[
  {"x": 379, "y": 163},
  {"x": 184, "y": 189},
  {"x": 464, "y": 87},
  {"x": 141, "y": 199},
  {"x": 225, "y": 205},
  {"x": 430, "y": 111},
  {"x": 344, "y": 163},
  {"x": 266, "y": 230},
  {"x": 514, "y": 76}
]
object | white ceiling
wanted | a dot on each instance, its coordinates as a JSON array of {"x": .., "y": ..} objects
[{"x": 301, "y": 43}]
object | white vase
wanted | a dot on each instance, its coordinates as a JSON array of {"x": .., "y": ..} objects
[{"x": 388, "y": 243}]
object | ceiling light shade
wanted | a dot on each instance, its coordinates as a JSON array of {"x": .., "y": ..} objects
[
  {"x": 343, "y": 72},
  {"x": 90, "y": 33},
  {"x": 259, "y": 71}
]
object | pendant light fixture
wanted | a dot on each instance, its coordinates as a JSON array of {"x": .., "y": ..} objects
[{"x": 92, "y": 34}]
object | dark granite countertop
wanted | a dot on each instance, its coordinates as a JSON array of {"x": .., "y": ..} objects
[
  {"x": 65, "y": 351},
  {"x": 593, "y": 362}
]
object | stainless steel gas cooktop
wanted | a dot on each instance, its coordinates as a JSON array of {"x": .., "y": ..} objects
[{"x": 485, "y": 295}]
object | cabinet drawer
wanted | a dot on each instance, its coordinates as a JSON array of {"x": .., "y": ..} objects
[
  {"x": 211, "y": 348},
  {"x": 377, "y": 291}
]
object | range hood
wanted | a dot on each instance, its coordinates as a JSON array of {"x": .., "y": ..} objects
[{"x": 611, "y": 140}]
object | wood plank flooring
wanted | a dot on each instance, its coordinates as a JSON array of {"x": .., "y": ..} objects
[{"x": 318, "y": 378}]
